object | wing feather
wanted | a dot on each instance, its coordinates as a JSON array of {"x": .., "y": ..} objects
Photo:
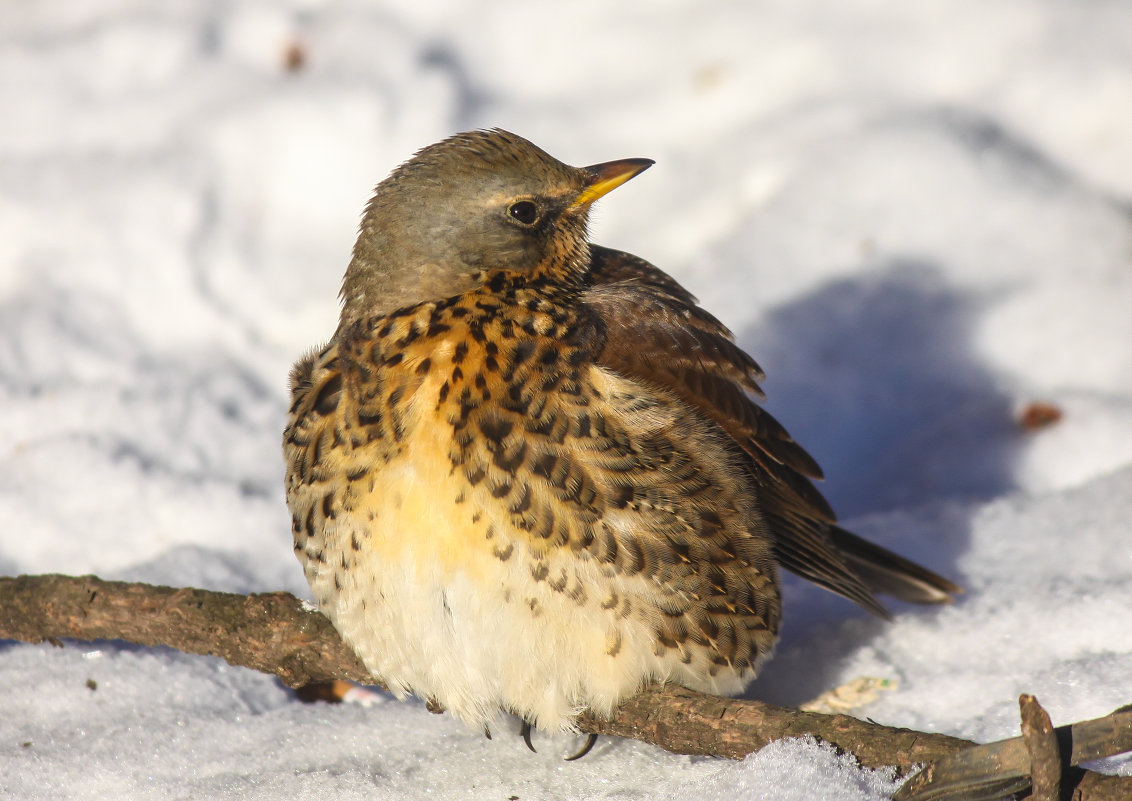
[{"x": 655, "y": 332}]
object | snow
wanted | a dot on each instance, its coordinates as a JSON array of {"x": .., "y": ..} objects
[{"x": 917, "y": 217}]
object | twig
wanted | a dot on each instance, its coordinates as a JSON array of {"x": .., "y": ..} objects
[
  {"x": 1041, "y": 744},
  {"x": 278, "y": 634},
  {"x": 993, "y": 770},
  {"x": 270, "y": 632}
]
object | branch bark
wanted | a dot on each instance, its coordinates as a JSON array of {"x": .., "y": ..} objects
[
  {"x": 278, "y": 634},
  {"x": 270, "y": 632},
  {"x": 1043, "y": 750},
  {"x": 1043, "y": 756}
]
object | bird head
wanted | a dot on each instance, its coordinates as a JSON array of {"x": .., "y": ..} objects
[{"x": 467, "y": 209}]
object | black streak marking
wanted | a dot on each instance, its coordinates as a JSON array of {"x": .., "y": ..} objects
[
  {"x": 503, "y": 554},
  {"x": 495, "y": 429}
]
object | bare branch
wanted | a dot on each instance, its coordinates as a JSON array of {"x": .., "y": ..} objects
[
  {"x": 278, "y": 634},
  {"x": 993, "y": 770},
  {"x": 1041, "y": 744},
  {"x": 269, "y": 632}
]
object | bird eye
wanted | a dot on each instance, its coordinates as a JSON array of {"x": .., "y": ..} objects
[{"x": 524, "y": 211}]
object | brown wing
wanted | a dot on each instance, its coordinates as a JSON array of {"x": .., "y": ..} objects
[{"x": 654, "y": 332}]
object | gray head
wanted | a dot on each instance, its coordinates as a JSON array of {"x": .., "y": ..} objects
[{"x": 464, "y": 209}]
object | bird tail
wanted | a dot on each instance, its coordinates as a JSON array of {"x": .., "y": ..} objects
[{"x": 887, "y": 573}]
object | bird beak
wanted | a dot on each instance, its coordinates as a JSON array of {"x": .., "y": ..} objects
[{"x": 604, "y": 178}]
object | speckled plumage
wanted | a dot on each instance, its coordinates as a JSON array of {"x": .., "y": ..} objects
[{"x": 526, "y": 473}]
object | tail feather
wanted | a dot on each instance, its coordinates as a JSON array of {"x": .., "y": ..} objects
[
  {"x": 803, "y": 547},
  {"x": 887, "y": 573}
]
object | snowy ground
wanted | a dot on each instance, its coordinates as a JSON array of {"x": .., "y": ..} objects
[{"x": 917, "y": 216}]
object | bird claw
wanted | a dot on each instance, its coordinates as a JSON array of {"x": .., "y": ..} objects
[
  {"x": 591, "y": 738},
  {"x": 525, "y": 730}
]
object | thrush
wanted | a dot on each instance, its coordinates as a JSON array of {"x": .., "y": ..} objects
[{"x": 528, "y": 474}]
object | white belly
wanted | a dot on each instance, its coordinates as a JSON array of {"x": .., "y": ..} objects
[{"x": 445, "y": 618}]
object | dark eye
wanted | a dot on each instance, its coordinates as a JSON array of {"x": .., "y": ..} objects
[{"x": 524, "y": 211}]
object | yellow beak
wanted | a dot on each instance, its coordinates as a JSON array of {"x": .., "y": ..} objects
[{"x": 605, "y": 177}]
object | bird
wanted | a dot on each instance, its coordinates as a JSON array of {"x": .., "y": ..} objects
[{"x": 529, "y": 474}]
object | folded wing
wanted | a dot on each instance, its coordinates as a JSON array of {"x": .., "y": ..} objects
[{"x": 654, "y": 331}]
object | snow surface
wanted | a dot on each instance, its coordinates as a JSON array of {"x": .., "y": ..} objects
[{"x": 917, "y": 216}]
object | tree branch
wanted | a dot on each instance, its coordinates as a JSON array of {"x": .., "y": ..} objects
[
  {"x": 270, "y": 632},
  {"x": 277, "y": 633},
  {"x": 1042, "y": 748}
]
